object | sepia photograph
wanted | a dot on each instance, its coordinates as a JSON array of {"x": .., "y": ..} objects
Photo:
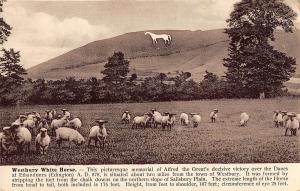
[{"x": 149, "y": 82}]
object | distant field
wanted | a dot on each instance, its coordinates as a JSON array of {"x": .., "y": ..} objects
[{"x": 223, "y": 142}]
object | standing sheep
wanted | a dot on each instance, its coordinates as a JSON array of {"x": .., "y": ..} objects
[
  {"x": 98, "y": 133},
  {"x": 5, "y": 141},
  {"x": 244, "y": 118},
  {"x": 184, "y": 119},
  {"x": 21, "y": 136},
  {"x": 48, "y": 116},
  {"x": 75, "y": 123},
  {"x": 66, "y": 113},
  {"x": 277, "y": 118},
  {"x": 292, "y": 124},
  {"x": 126, "y": 117},
  {"x": 196, "y": 119},
  {"x": 213, "y": 115},
  {"x": 168, "y": 120},
  {"x": 70, "y": 135},
  {"x": 57, "y": 123},
  {"x": 42, "y": 141},
  {"x": 141, "y": 121},
  {"x": 156, "y": 118}
]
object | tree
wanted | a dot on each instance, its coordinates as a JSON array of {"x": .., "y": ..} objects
[
  {"x": 11, "y": 72},
  {"x": 115, "y": 76},
  {"x": 254, "y": 66}
]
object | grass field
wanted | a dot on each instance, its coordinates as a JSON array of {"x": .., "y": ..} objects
[{"x": 222, "y": 142}]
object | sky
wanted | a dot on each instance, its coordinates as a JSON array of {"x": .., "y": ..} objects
[{"x": 45, "y": 29}]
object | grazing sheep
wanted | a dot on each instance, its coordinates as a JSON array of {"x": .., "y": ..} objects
[
  {"x": 277, "y": 118},
  {"x": 213, "y": 115},
  {"x": 141, "y": 120},
  {"x": 42, "y": 141},
  {"x": 98, "y": 133},
  {"x": 30, "y": 125},
  {"x": 292, "y": 124},
  {"x": 43, "y": 124},
  {"x": 156, "y": 118},
  {"x": 168, "y": 120},
  {"x": 126, "y": 117},
  {"x": 70, "y": 135},
  {"x": 75, "y": 123},
  {"x": 244, "y": 118},
  {"x": 48, "y": 116},
  {"x": 57, "y": 123},
  {"x": 54, "y": 114},
  {"x": 66, "y": 113},
  {"x": 196, "y": 119},
  {"x": 5, "y": 141},
  {"x": 184, "y": 119},
  {"x": 21, "y": 136}
]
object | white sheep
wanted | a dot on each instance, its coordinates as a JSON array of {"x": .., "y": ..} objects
[
  {"x": 196, "y": 119},
  {"x": 126, "y": 117},
  {"x": 30, "y": 125},
  {"x": 75, "y": 123},
  {"x": 66, "y": 113},
  {"x": 292, "y": 124},
  {"x": 42, "y": 141},
  {"x": 5, "y": 141},
  {"x": 278, "y": 118},
  {"x": 184, "y": 119},
  {"x": 244, "y": 118},
  {"x": 141, "y": 120},
  {"x": 284, "y": 118},
  {"x": 57, "y": 123},
  {"x": 70, "y": 135},
  {"x": 156, "y": 118},
  {"x": 48, "y": 116},
  {"x": 213, "y": 115},
  {"x": 98, "y": 133},
  {"x": 168, "y": 120},
  {"x": 43, "y": 124},
  {"x": 21, "y": 136}
]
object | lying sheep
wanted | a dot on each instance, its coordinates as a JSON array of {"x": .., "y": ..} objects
[
  {"x": 292, "y": 124},
  {"x": 277, "y": 118},
  {"x": 184, "y": 119},
  {"x": 196, "y": 119},
  {"x": 42, "y": 141},
  {"x": 70, "y": 135},
  {"x": 141, "y": 121},
  {"x": 213, "y": 115},
  {"x": 21, "y": 136},
  {"x": 98, "y": 133},
  {"x": 244, "y": 118},
  {"x": 74, "y": 123},
  {"x": 5, "y": 141},
  {"x": 57, "y": 123},
  {"x": 168, "y": 120},
  {"x": 126, "y": 117}
]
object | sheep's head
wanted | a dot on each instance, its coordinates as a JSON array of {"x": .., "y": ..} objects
[
  {"x": 242, "y": 122},
  {"x": 43, "y": 132}
]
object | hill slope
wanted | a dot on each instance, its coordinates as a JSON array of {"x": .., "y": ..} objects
[{"x": 193, "y": 51}]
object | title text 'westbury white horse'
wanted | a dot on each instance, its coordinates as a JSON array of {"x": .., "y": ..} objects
[{"x": 167, "y": 38}]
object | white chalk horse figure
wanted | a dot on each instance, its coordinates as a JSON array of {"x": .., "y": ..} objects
[{"x": 167, "y": 38}]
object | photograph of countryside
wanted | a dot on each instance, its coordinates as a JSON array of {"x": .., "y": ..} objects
[{"x": 149, "y": 82}]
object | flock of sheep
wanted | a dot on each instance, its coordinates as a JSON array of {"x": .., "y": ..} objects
[
  {"x": 60, "y": 126},
  {"x": 65, "y": 128}
]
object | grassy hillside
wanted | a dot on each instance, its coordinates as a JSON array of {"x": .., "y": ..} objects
[{"x": 193, "y": 51}]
